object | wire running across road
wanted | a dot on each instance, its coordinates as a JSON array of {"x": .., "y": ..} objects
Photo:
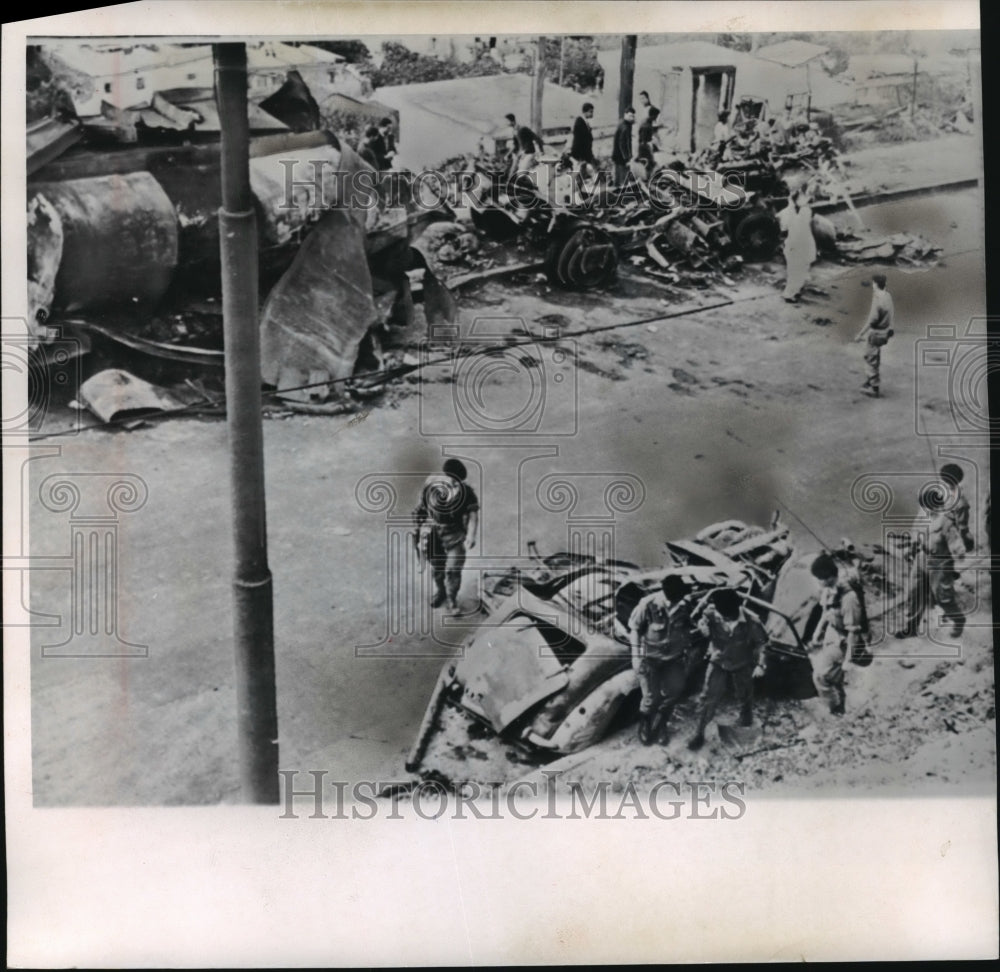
[{"x": 400, "y": 371}]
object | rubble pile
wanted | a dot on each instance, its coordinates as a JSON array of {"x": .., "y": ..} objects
[{"x": 909, "y": 249}]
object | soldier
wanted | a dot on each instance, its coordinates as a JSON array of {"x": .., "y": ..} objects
[
  {"x": 735, "y": 654},
  {"x": 933, "y": 571},
  {"x": 660, "y": 632},
  {"x": 839, "y": 631},
  {"x": 952, "y": 476},
  {"x": 447, "y": 518},
  {"x": 878, "y": 330},
  {"x": 944, "y": 547}
]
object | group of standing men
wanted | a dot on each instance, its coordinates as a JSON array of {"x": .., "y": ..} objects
[
  {"x": 581, "y": 148},
  {"x": 378, "y": 146},
  {"x": 670, "y": 636}
]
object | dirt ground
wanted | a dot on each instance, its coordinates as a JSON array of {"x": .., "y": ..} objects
[{"x": 717, "y": 413}]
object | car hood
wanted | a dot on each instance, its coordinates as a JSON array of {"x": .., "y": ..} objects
[{"x": 509, "y": 666}]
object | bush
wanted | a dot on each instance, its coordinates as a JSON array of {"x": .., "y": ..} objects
[{"x": 400, "y": 65}]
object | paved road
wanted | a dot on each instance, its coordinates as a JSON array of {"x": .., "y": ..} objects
[{"x": 716, "y": 414}]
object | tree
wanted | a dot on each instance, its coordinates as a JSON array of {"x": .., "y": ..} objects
[
  {"x": 574, "y": 59},
  {"x": 353, "y": 51},
  {"x": 737, "y": 42}
]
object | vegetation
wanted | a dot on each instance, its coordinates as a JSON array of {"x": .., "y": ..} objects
[
  {"x": 400, "y": 65},
  {"x": 574, "y": 60},
  {"x": 353, "y": 51}
]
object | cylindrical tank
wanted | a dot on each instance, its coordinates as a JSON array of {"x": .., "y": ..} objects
[{"x": 119, "y": 240}]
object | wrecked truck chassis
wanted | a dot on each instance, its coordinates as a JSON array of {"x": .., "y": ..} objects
[
  {"x": 697, "y": 217},
  {"x": 550, "y": 669}
]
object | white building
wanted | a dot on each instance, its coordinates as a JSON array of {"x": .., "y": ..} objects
[{"x": 127, "y": 75}]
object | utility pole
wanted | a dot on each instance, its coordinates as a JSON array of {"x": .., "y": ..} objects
[
  {"x": 257, "y": 718},
  {"x": 627, "y": 76},
  {"x": 562, "y": 56},
  {"x": 537, "y": 84},
  {"x": 913, "y": 95}
]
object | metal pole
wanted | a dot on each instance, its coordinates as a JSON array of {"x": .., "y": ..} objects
[
  {"x": 562, "y": 55},
  {"x": 627, "y": 73},
  {"x": 913, "y": 96},
  {"x": 253, "y": 616},
  {"x": 537, "y": 84}
]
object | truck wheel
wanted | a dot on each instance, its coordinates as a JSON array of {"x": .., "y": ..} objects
[
  {"x": 757, "y": 235},
  {"x": 582, "y": 259}
]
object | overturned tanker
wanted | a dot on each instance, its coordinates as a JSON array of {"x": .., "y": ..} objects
[
  {"x": 548, "y": 672},
  {"x": 120, "y": 240}
]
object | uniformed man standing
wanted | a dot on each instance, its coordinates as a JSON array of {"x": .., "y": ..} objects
[
  {"x": 838, "y": 633},
  {"x": 957, "y": 503},
  {"x": 736, "y": 642},
  {"x": 660, "y": 632},
  {"x": 878, "y": 330},
  {"x": 932, "y": 573},
  {"x": 944, "y": 547},
  {"x": 447, "y": 517}
]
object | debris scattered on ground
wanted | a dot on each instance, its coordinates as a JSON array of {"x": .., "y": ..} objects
[
  {"x": 112, "y": 394},
  {"x": 627, "y": 351},
  {"x": 905, "y": 248}
]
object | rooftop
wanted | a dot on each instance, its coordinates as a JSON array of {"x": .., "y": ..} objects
[{"x": 108, "y": 58}]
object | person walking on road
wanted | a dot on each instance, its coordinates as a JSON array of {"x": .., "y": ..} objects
[
  {"x": 877, "y": 330},
  {"x": 736, "y": 642},
  {"x": 799, "y": 245},
  {"x": 447, "y": 518},
  {"x": 621, "y": 152},
  {"x": 661, "y": 632},
  {"x": 525, "y": 145}
]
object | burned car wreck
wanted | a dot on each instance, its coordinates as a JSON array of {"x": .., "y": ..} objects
[{"x": 548, "y": 672}]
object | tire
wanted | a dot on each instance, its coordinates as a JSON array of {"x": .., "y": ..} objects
[
  {"x": 757, "y": 235},
  {"x": 571, "y": 261}
]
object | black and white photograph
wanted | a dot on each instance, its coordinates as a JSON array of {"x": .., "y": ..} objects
[{"x": 503, "y": 433}]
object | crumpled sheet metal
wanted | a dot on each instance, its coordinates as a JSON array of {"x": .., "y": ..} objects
[
  {"x": 113, "y": 392},
  {"x": 320, "y": 310},
  {"x": 45, "y": 247},
  {"x": 293, "y": 188}
]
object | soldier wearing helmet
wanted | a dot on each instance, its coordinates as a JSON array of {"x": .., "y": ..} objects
[
  {"x": 840, "y": 630},
  {"x": 660, "y": 633},
  {"x": 735, "y": 655},
  {"x": 958, "y": 505}
]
